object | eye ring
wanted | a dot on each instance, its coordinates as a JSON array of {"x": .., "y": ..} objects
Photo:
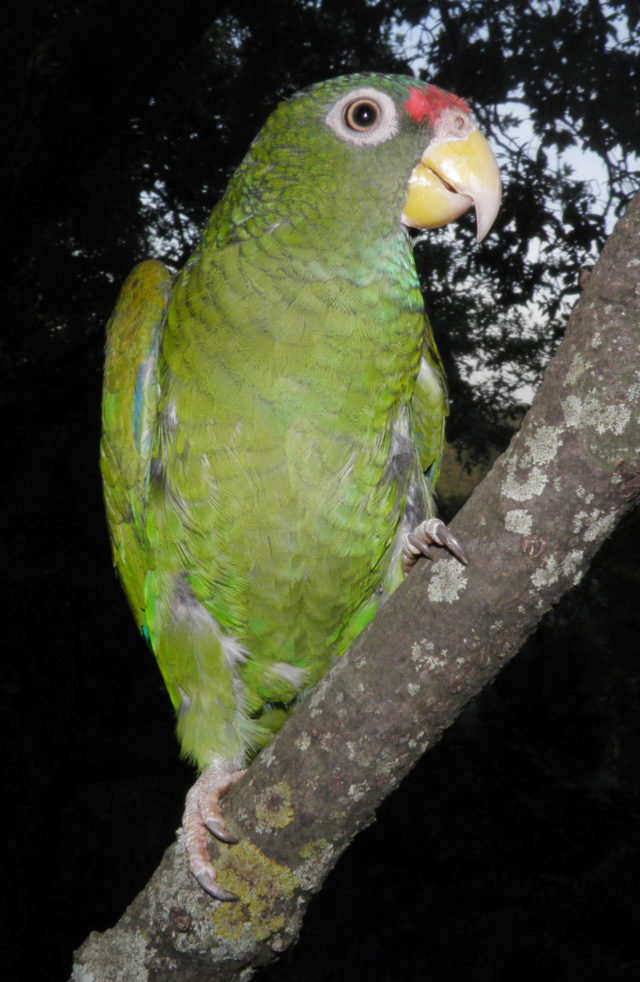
[{"x": 362, "y": 115}]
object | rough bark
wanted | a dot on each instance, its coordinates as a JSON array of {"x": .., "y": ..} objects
[{"x": 531, "y": 529}]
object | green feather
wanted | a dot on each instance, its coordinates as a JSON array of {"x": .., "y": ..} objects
[
  {"x": 267, "y": 426},
  {"x": 129, "y": 414}
]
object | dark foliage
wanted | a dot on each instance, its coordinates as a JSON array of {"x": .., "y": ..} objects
[{"x": 513, "y": 851}]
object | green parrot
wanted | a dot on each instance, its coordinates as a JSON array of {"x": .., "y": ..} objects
[{"x": 273, "y": 416}]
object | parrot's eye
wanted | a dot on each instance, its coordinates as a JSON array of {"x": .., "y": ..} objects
[{"x": 362, "y": 115}]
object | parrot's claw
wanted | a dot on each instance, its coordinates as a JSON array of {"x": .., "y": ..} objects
[
  {"x": 432, "y": 531},
  {"x": 217, "y": 827},
  {"x": 201, "y": 813}
]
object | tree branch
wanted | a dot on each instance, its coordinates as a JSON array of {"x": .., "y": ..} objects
[{"x": 531, "y": 528}]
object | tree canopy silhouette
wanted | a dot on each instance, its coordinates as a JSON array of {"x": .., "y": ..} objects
[{"x": 123, "y": 122}]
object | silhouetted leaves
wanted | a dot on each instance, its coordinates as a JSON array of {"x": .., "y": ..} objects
[{"x": 122, "y": 122}]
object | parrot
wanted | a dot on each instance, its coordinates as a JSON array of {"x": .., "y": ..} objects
[{"x": 273, "y": 415}]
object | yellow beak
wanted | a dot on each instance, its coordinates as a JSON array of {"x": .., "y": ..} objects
[{"x": 452, "y": 176}]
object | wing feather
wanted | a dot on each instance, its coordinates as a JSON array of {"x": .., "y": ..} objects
[
  {"x": 429, "y": 408},
  {"x": 129, "y": 413}
]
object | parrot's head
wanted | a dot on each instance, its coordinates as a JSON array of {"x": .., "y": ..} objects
[{"x": 373, "y": 148}]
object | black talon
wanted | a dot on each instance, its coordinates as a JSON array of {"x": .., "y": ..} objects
[
  {"x": 428, "y": 532},
  {"x": 215, "y": 891},
  {"x": 447, "y": 539},
  {"x": 421, "y": 545},
  {"x": 221, "y": 833}
]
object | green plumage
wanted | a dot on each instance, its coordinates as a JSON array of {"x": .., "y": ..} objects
[{"x": 268, "y": 419}]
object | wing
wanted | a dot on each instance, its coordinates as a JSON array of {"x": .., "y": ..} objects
[
  {"x": 418, "y": 453},
  {"x": 429, "y": 409},
  {"x": 129, "y": 410}
]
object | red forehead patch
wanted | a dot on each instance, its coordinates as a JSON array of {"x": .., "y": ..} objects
[{"x": 426, "y": 104}]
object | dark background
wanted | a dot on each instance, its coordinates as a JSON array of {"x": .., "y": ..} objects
[{"x": 513, "y": 850}]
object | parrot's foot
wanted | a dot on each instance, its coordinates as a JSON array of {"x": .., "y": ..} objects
[
  {"x": 201, "y": 813},
  {"x": 428, "y": 533}
]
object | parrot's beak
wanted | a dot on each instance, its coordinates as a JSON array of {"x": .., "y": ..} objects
[{"x": 453, "y": 175}]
